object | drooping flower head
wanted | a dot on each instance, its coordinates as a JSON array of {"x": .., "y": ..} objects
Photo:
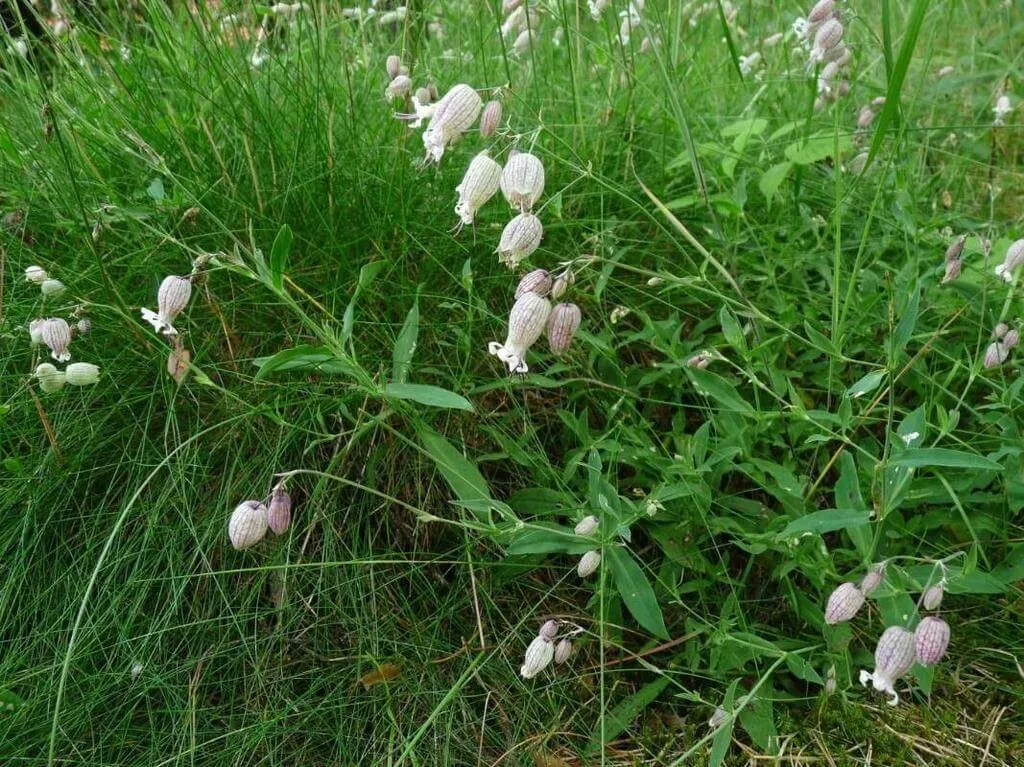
[
  {"x": 526, "y": 322},
  {"x": 538, "y": 281},
  {"x": 562, "y": 326},
  {"x": 843, "y": 603},
  {"x": 931, "y": 638},
  {"x": 36, "y": 274},
  {"x": 539, "y": 655},
  {"x": 1014, "y": 258},
  {"x": 50, "y": 379},
  {"x": 479, "y": 184},
  {"x": 455, "y": 114},
  {"x": 933, "y": 597},
  {"x": 562, "y": 651},
  {"x": 490, "y": 118},
  {"x": 522, "y": 181},
  {"x": 248, "y": 524},
  {"x": 588, "y": 563},
  {"x": 894, "y": 655},
  {"x": 172, "y": 298},
  {"x": 279, "y": 515},
  {"x": 587, "y": 526},
  {"x": 81, "y": 374},
  {"x": 520, "y": 237},
  {"x": 56, "y": 334}
]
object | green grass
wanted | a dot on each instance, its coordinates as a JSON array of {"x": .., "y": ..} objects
[{"x": 667, "y": 186}]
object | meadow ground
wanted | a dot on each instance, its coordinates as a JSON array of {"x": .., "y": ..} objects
[{"x": 842, "y": 414}]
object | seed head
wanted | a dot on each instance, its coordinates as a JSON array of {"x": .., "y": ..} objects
[
  {"x": 57, "y": 335},
  {"x": 81, "y": 374},
  {"x": 279, "y": 515},
  {"x": 36, "y": 274},
  {"x": 478, "y": 186},
  {"x": 931, "y": 640},
  {"x": 172, "y": 298},
  {"x": 522, "y": 181},
  {"x": 1013, "y": 259},
  {"x": 490, "y": 119},
  {"x": 52, "y": 288},
  {"x": 562, "y": 326},
  {"x": 399, "y": 88},
  {"x": 933, "y": 597},
  {"x": 394, "y": 66},
  {"x": 50, "y": 379},
  {"x": 843, "y": 603},
  {"x": 894, "y": 655},
  {"x": 871, "y": 581},
  {"x": 519, "y": 239},
  {"x": 538, "y": 281},
  {"x": 587, "y": 526},
  {"x": 538, "y": 655},
  {"x": 588, "y": 564},
  {"x": 248, "y": 524},
  {"x": 526, "y": 322},
  {"x": 549, "y": 630},
  {"x": 562, "y": 651},
  {"x": 455, "y": 114}
]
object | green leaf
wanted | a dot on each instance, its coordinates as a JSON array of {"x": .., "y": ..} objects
[
  {"x": 156, "y": 189},
  {"x": 279, "y": 256},
  {"x": 908, "y": 320},
  {"x": 772, "y": 180},
  {"x": 459, "y": 472},
  {"x": 817, "y": 148},
  {"x": 721, "y": 742},
  {"x": 867, "y": 384},
  {"x": 758, "y": 719},
  {"x": 825, "y": 522},
  {"x": 848, "y": 498},
  {"x": 549, "y": 540},
  {"x": 720, "y": 390},
  {"x": 366, "y": 275},
  {"x": 317, "y": 358},
  {"x": 636, "y": 591},
  {"x": 620, "y": 717},
  {"x": 731, "y": 330},
  {"x": 940, "y": 456},
  {"x": 405, "y": 345},
  {"x": 426, "y": 394}
]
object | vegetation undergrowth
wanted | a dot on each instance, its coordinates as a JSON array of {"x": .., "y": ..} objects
[{"x": 777, "y": 386}]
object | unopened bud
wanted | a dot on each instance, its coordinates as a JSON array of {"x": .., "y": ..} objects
[
  {"x": 843, "y": 603},
  {"x": 562, "y": 651},
  {"x": 248, "y": 524},
  {"x": 279, "y": 514},
  {"x": 562, "y": 326},
  {"x": 399, "y": 87},
  {"x": 587, "y": 526},
  {"x": 52, "y": 288},
  {"x": 84, "y": 326},
  {"x": 36, "y": 274},
  {"x": 50, "y": 379},
  {"x": 931, "y": 640},
  {"x": 995, "y": 355},
  {"x": 933, "y": 598},
  {"x": 490, "y": 118},
  {"x": 549, "y": 630},
  {"x": 394, "y": 66},
  {"x": 871, "y": 581},
  {"x": 538, "y": 281},
  {"x": 563, "y": 283},
  {"x": 588, "y": 564}
]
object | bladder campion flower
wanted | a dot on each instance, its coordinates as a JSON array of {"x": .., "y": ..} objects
[
  {"x": 588, "y": 563},
  {"x": 872, "y": 580},
  {"x": 52, "y": 288},
  {"x": 399, "y": 88},
  {"x": 562, "y": 326},
  {"x": 526, "y": 322},
  {"x": 279, "y": 514},
  {"x": 81, "y": 374},
  {"x": 538, "y": 281},
  {"x": 172, "y": 298},
  {"x": 50, "y": 379},
  {"x": 562, "y": 651},
  {"x": 1001, "y": 110},
  {"x": 522, "y": 181},
  {"x": 931, "y": 638},
  {"x": 539, "y": 655},
  {"x": 1014, "y": 258},
  {"x": 455, "y": 114},
  {"x": 933, "y": 597},
  {"x": 587, "y": 526},
  {"x": 843, "y": 603},
  {"x": 490, "y": 118},
  {"x": 248, "y": 524},
  {"x": 394, "y": 66},
  {"x": 56, "y": 334},
  {"x": 36, "y": 274},
  {"x": 519, "y": 238},
  {"x": 894, "y": 655},
  {"x": 478, "y": 186}
]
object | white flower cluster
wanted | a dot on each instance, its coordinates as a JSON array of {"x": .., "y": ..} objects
[
  {"x": 251, "y": 519},
  {"x": 543, "y": 649},
  {"x": 56, "y": 334}
]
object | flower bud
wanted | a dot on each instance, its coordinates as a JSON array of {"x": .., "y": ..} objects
[
  {"x": 490, "y": 119},
  {"x": 933, "y": 597},
  {"x": 1011, "y": 339},
  {"x": 549, "y": 630},
  {"x": 52, "y": 288},
  {"x": 871, "y": 581},
  {"x": 1000, "y": 330},
  {"x": 588, "y": 563},
  {"x": 821, "y": 11},
  {"x": 81, "y": 374},
  {"x": 538, "y": 655},
  {"x": 995, "y": 355},
  {"x": 394, "y": 66},
  {"x": 455, "y": 114},
  {"x": 587, "y": 526},
  {"x": 526, "y": 322},
  {"x": 399, "y": 88},
  {"x": 562, "y": 651},
  {"x": 36, "y": 274},
  {"x": 520, "y": 237},
  {"x": 931, "y": 640},
  {"x": 829, "y": 35},
  {"x": 50, "y": 379},
  {"x": 478, "y": 186},
  {"x": 248, "y": 524},
  {"x": 894, "y": 655},
  {"x": 84, "y": 326},
  {"x": 172, "y": 298},
  {"x": 522, "y": 181},
  {"x": 717, "y": 718},
  {"x": 699, "y": 360},
  {"x": 57, "y": 335},
  {"x": 865, "y": 118},
  {"x": 843, "y": 604},
  {"x": 279, "y": 515},
  {"x": 953, "y": 269},
  {"x": 538, "y": 281},
  {"x": 563, "y": 283},
  {"x": 562, "y": 326},
  {"x": 956, "y": 249}
]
